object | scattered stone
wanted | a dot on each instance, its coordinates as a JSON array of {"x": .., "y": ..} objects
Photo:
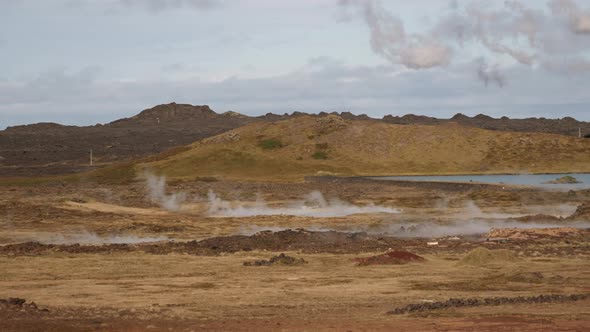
[
  {"x": 490, "y": 301},
  {"x": 281, "y": 259},
  {"x": 329, "y": 123},
  {"x": 392, "y": 257},
  {"x": 534, "y": 233},
  {"x": 15, "y": 304}
]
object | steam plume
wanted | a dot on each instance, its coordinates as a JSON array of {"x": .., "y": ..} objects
[
  {"x": 156, "y": 186},
  {"x": 83, "y": 237},
  {"x": 312, "y": 205}
]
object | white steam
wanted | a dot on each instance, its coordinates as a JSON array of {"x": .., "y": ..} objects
[
  {"x": 156, "y": 186},
  {"x": 312, "y": 205},
  {"x": 472, "y": 211},
  {"x": 85, "y": 237}
]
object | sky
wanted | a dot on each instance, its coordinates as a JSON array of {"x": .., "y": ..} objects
[{"x": 93, "y": 61}]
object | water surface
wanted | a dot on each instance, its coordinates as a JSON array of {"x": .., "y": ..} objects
[{"x": 536, "y": 180}]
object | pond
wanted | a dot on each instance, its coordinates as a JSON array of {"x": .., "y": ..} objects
[{"x": 536, "y": 180}]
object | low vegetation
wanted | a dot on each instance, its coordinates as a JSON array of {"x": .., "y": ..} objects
[
  {"x": 321, "y": 155},
  {"x": 568, "y": 179},
  {"x": 370, "y": 148},
  {"x": 270, "y": 144}
]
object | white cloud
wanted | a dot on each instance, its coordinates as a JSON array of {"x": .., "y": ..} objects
[
  {"x": 529, "y": 36},
  {"x": 390, "y": 40},
  {"x": 539, "y": 54},
  {"x": 160, "y": 5},
  {"x": 577, "y": 18},
  {"x": 321, "y": 85}
]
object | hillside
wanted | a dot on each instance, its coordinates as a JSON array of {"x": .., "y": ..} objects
[
  {"x": 332, "y": 145},
  {"x": 49, "y": 148}
]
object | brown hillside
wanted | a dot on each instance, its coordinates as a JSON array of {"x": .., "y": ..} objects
[
  {"x": 332, "y": 145},
  {"x": 564, "y": 126},
  {"x": 48, "y": 148}
]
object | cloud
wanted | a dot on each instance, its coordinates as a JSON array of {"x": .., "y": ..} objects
[
  {"x": 159, "y": 5},
  {"x": 489, "y": 74},
  {"x": 557, "y": 38},
  {"x": 390, "y": 40},
  {"x": 577, "y": 18},
  {"x": 570, "y": 66},
  {"x": 153, "y": 6},
  {"x": 324, "y": 84},
  {"x": 54, "y": 84}
]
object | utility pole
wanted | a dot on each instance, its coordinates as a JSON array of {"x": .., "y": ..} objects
[{"x": 90, "y": 157}]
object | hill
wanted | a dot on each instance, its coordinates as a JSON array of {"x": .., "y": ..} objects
[
  {"x": 307, "y": 145},
  {"x": 49, "y": 148}
]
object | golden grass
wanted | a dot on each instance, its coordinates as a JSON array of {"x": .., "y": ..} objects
[
  {"x": 221, "y": 287},
  {"x": 371, "y": 148},
  {"x": 350, "y": 148}
]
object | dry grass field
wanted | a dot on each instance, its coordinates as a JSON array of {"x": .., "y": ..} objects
[
  {"x": 205, "y": 286},
  {"x": 293, "y": 148}
]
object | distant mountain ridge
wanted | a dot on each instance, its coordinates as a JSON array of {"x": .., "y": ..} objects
[{"x": 46, "y": 148}]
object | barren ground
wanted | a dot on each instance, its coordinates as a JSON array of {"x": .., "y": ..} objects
[{"x": 207, "y": 287}]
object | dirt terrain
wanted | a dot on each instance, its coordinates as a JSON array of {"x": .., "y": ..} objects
[
  {"x": 251, "y": 230},
  {"x": 50, "y": 149},
  {"x": 112, "y": 257}
]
